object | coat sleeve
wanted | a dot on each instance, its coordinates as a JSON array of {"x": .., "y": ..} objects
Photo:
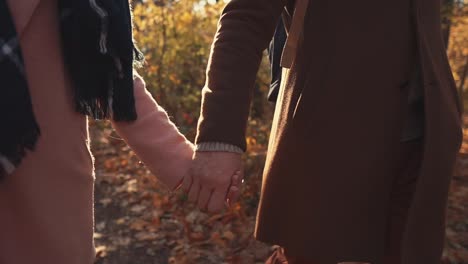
[
  {"x": 155, "y": 139},
  {"x": 244, "y": 32}
]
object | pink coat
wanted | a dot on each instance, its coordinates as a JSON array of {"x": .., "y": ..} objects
[{"x": 46, "y": 206}]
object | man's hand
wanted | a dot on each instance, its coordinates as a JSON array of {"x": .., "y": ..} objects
[{"x": 215, "y": 179}]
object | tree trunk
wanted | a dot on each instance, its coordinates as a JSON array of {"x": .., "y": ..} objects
[
  {"x": 461, "y": 89},
  {"x": 447, "y": 11}
]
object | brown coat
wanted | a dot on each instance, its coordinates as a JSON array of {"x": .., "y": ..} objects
[{"x": 338, "y": 123}]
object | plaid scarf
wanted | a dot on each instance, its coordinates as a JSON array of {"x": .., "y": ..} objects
[{"x": 100, "y": 55}]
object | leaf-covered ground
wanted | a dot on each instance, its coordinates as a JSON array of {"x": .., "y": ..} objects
[
  {"x": 457, "y": 216},
  {"x": 139, "y": 222}
]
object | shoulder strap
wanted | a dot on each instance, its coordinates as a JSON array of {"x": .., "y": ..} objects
[{"x": 295, "y": 30}]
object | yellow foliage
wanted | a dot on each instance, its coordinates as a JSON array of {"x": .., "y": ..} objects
[
  {"x": 458, "y": 42},
  {"x": 176, "y": 38}
]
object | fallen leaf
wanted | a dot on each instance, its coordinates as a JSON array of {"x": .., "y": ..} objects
[
  {"x": 143, "y": 236},
  {"x": 121, "y": 221},
  {"x": 229, "y": 235},
  {"x": 105, "y": 202},
  {"x": 138, "y": 225},
  {"x": 100, "y": 226},
  {"x": 138, "y": 208}
]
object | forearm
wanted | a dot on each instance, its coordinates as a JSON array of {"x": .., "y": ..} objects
[{"x": 154, "y": 138}]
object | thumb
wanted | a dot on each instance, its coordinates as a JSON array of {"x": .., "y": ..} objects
[{"x": 234, "y": 192}]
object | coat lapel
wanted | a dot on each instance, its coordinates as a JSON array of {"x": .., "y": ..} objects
[{"x": 22, "y": 11}]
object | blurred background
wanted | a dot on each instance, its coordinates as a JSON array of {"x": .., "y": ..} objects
[{"x": 139, "y": 221}]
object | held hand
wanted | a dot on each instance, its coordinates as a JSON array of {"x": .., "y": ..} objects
[{"x": 215, "y": 179}]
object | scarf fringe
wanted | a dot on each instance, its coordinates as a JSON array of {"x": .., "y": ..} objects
[
  {"x": 11, "y": 159},
  {"x": 101, "y": 55}
]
